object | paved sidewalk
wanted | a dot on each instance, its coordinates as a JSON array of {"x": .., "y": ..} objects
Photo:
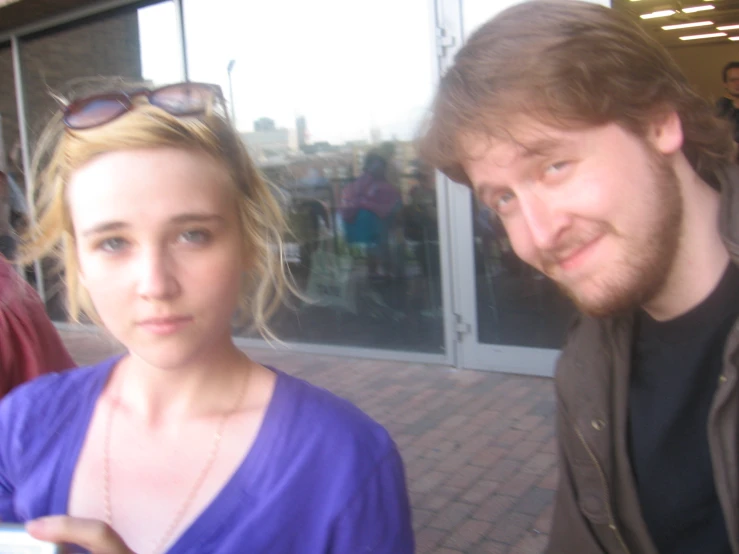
[{"x": 479, "y": 447}]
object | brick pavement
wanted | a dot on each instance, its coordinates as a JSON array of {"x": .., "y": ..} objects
[{"x": 479, "y": 447}]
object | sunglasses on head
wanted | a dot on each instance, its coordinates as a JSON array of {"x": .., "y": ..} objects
[{"x": 181, "y": 99}]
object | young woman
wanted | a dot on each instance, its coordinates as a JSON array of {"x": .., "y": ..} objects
[{"x": 183, "y": 444}]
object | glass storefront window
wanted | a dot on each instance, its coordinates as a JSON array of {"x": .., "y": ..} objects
[
  {"x": 329, "y": 112},
  {"x": 516, "y": 305}
]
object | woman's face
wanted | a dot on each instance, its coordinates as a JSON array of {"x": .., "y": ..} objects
[{"x": 160, "y": 252}]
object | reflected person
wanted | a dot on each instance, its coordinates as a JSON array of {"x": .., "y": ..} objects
[{"x": 369, "y": 207}]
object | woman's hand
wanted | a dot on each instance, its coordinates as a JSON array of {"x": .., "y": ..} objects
[{"x": 91, "y": 534}]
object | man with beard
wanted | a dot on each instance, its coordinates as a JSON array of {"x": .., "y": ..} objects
[
  {"x": 614, "y": 178},
  {"x": 727, "y": 107}
]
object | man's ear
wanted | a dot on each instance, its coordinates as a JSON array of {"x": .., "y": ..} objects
[{"x": 666, "y": 133}]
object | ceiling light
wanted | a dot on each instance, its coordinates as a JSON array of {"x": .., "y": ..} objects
[
  {"x": 663, "y": 13},
  {"x": 728, "y": 27},
  {"x": 688, "y": 25},
  {"x": 733, "y": 38},
  {"x": 696, "y": 37},
  {"x": 699, "y": 8}
]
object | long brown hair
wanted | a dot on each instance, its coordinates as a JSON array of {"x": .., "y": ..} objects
[{"x": 568, "y": 64}]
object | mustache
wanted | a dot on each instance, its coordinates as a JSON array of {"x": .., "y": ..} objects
[{"x": 566, "y": 247}]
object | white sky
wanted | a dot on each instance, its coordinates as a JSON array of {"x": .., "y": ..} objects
[{"x": 346, "y": 65}]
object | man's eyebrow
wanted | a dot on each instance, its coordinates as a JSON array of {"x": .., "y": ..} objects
[
  {"x": 541, "y": 147},
  {"x": 489, "y": 186}
]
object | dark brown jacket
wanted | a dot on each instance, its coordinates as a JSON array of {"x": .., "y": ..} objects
[{"x": 596, "y": 507}]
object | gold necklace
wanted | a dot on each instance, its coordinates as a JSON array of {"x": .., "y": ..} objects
[{"x": 180, "y": 514}]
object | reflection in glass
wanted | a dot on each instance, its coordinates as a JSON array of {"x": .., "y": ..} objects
[
  {"x": 329, "y": 112},
  {"x": 12, "y": 202},
  {"x": 516, "y": 304},
  {"x": 363, "y": 246}
]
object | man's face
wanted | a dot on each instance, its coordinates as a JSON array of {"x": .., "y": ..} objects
[
  {"x": 732, "y": 82},
  {"x": 598, "y": 210}
]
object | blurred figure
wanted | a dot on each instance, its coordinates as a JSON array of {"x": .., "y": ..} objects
[
  {"x": 727, "y": 107},
  {"x": 368, "y": 207},
  {"x": 29, "y": 343},
  {"x": 13, "y": 215},
  {"x": 421, "y": 228},
  {"x": 7, "y": 238}
]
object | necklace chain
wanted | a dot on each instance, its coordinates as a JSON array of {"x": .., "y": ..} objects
[{"x": 184, "y": 507}]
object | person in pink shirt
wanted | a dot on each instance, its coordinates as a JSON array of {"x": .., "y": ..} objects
[{"x": 29, "y": 343}]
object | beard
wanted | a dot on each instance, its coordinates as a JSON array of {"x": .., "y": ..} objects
[{"x": 647, "y": 256}]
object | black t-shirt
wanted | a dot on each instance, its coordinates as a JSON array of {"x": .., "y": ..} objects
[{"x": 676, "y": 365}]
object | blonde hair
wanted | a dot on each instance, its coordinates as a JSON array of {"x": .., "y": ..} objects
[{"x": 61, "y": 151}]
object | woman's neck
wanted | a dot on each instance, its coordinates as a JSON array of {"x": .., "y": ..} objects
[{"x": 204, "y": 387}]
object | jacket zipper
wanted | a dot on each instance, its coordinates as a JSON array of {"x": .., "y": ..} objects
[{"x": 612, "y": 521}]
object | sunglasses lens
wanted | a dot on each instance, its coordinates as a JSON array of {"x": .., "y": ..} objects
[
  {"x": 91, "y": 112},
  {"x": 184, "y": 98}
]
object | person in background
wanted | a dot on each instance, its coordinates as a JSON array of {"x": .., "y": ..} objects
[
  {"x": 727, "y": 106},
  {"x": 7, "y": 234},
  {"x": 613, "y": 177},
  {"x": 369, "y": 206},
  {"x": 29, "y": 343},
  {"x": 182, "y": 444}
]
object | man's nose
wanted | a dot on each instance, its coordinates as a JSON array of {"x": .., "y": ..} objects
[{"x": 544, "y": 221}]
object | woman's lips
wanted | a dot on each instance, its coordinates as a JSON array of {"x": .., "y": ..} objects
[{"x": 164, "y": 325}]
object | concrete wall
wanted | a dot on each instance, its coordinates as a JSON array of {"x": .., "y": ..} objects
[{"x": 702, "y": 65}]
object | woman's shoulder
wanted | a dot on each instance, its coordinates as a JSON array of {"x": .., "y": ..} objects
[
  {"x": 321, "y": 414},
  {"x": 55, "y": 395}
]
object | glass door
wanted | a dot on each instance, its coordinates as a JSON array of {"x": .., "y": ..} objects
[{"x": 509, "y": 317}]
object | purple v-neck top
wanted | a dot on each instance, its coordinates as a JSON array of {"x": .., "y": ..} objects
[{"x": 321, "y": 476}]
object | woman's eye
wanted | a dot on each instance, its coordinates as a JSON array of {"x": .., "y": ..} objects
[
  {"x": 113, "y": 244},
  {"x": 195, "y": 236}
]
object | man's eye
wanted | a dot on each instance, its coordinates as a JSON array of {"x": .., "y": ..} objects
[
  {"x": 195, "y": 236},
  {"x": 503, "y": 202},
  {"x": 555, "y": 168},
  {"x": 113, "y": 244}
]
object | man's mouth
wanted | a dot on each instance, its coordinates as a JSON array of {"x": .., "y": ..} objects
[{"x": 572, "y": 258}]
